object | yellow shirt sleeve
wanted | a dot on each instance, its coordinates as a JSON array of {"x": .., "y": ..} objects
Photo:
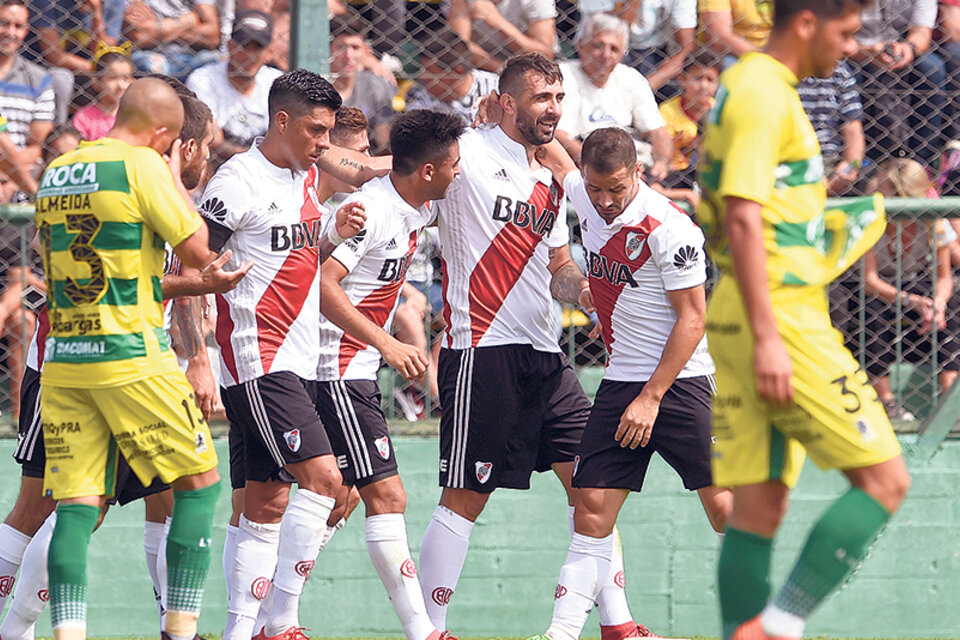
[
  {"x": 713, "y": 5},
  {"x": 161, "y": 205},
  {"x": 752, "y": 124}
]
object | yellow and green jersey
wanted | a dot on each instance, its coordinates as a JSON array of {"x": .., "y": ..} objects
[
  {"x": 104, "y": 211},
  {"x": 759, "y": 145}
]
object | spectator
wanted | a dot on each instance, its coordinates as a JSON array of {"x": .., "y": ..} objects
[
  {"x": 113, "y": 73},
  {"x": 448, "y": 81},
  {"x": 65, "y": 36},
  {"x": 358, "y": 87},
  {"x": 684, "y": 115},
  {"x": 948, "y": 45},
  {"x": 497, "y": 30},
  {"x": 734, "y": 27},
  {"x": 652, "y": 23},
  {"x": 26, "y": 89},
  {"x": 236, "y": 89},
  {"x": 922, "y": 308},
  {"x": 601, "y": 92},
  {"x": 172, "y": 37},
  {"x": 901, "y": 78},
  {"x": 834, "y": 108}
]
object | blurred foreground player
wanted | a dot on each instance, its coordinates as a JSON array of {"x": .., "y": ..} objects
[{"x": 786, "y": 384}]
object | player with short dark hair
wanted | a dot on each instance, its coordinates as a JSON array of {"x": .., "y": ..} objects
[
  {"x": 263, "y": 204},
  {"x": 647, "y": 272},
  {"x": 360, "y": 292},
  {"x": 786, "y": 384}
]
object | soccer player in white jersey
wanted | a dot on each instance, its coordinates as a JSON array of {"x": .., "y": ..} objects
[
  {"x": 263, "y": 204},
  {"x": 647, "y": 273},
  {"x": 360, "y": 288}
]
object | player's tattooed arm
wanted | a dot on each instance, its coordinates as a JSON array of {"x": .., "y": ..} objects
[
  {"x": 567, "y": 283},
  {"x": 187, "y": 317},
  {"x": 353, "y": 167}
]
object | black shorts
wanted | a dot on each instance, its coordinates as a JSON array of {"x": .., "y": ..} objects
[
  {"x": 238, "y": 479},
  {"x": 128, "y": 487},
  {"x": 681, "y": 435},
  {"x": 507, "y": 411},
  {"x": 29, "y": 453},
  {"x": 350, "y": 410},
  {"x": 278, "y": 422}
]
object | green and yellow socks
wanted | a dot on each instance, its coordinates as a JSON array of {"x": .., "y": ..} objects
[
  {"x": 188, "y": 558},
  {"x": 836, "y": 546}
]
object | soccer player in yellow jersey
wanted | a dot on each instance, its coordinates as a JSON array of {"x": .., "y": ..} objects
[
  {"x": 110, "y": 379},
  {"x": 786, "y": 385}
]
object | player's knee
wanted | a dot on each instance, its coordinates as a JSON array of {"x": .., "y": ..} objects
[
  {"x": 464, "y": 502},
  {"x": 384, "y": 496},
  {"x": 319, "y": 475}
]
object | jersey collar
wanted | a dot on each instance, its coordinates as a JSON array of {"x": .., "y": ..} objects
[
  {"x": 516, "y": 152},
  {"x": 271, "y": 169}
]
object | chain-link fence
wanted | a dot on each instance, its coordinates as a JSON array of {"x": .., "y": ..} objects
[{"x": 894, "y": 103}]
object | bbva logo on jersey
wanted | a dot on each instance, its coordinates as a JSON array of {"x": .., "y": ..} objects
[
  {"x": 616, "y": 273},
  {"x": 524, "y": 214},
  {"x": 295, "y": 236}
]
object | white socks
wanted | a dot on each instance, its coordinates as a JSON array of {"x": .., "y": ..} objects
[
  {"x": 390, "y": 554},
  {"x": 442, "y": 554},
  {"x": 301, "y": 532},
  {"x": 30, "y": 596},
  {"x": 612, "y": 607},
  {"x": 254, "y": 563},
  {"x": 587, "y": 564},
  {"x": 152, "y": 539},
  {"x": 229, "y": 551},
  {"x": 776, "y": 622},
  {"x": 12, "y": 545}
]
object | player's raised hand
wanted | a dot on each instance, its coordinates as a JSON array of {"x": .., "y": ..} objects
[
  {"x": 405, "y": 358},
  {"x": 350, "y": 219},
  {"x": 488, "y": 110},
  {"x": 217, "y": 280},
  {"x": 774, "y": 370},
  {"x": 636, "y": 423}
]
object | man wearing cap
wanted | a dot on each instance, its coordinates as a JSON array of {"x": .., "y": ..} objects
[{"x": 236, "y": 89}]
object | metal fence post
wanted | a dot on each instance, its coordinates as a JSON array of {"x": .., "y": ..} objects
[{"x": 310, "y": 36}]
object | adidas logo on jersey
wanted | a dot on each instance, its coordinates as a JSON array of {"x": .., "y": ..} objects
[
  {"x": 502, "y": 175},
  {"x": 273, "y": 207},
  {"x": 214, "y": 208},
  {"x": 686, "y": 258},
  {"x": 392, "y": 244}
]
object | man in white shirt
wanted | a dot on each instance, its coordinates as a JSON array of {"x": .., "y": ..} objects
[
  {"x": 646, "y": 270},
  {"x": 602, "y": 92},
  {"x": 360, "y": 291},
  {"x": 236, "y": 89}
]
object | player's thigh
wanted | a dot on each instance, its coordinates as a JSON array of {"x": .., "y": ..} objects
[
  {"x": 565, "y": 413},
  {"x": 357, "y": 429},
  {"x": 81, "y": 454},
  {"x": 846, "y": 426},
  {"x": 482, "y": 408},
  {"x": 681, "y": 433},
  {"x": 601, "y": 463},
  {"x": 159, "y": 427},
  {"x": 747, "y": 448}
]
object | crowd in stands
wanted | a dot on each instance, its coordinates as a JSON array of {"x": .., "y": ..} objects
[{"x": 650, "y": 66}]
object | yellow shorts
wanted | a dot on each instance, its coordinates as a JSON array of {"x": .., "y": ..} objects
[
  {"x": 835, "y": 416},
  {"x": 155, "y": 422}
]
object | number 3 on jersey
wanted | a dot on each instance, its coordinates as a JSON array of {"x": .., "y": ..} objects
[{"x": 85, "y": 226}]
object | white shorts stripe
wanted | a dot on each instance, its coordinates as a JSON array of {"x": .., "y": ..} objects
[
  {"x": 262, "y": 421},
  {"x": 27, "y": 446},
  {"x": 461, "y": 423},
  {"x": 351, "y": 429}
]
